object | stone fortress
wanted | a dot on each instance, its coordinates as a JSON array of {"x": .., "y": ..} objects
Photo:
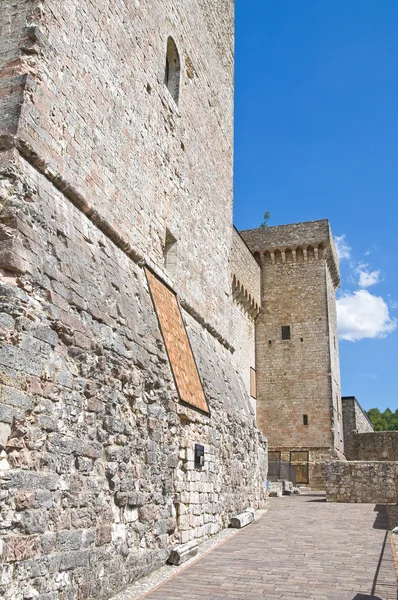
[
  {"x": 140, "y": 332},
  {"x": 298, "y": 374}
]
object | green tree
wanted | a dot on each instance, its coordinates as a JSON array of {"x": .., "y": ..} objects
[
  {"x": 383, "y": 421},
  {"x": 267, "y": 216}
]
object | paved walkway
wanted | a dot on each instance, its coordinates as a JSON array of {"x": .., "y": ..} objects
[{"x": 302, "y": 548}]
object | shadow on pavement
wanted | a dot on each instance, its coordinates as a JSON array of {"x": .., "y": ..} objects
[
  {"x": 366, "y": 597},
  {"x": 312, "y": 495},
  {"x": 317, "y": 500},
  {"x": 381, "y": 517}
]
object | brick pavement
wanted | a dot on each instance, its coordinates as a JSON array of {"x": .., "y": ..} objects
[{"x": 302, "y": 548}]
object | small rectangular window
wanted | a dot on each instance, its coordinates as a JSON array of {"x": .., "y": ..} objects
[
  {"x": 170, "y": 253},
  {"x": 285, "y": 332},
  {"x": 305, "y": 419},
  {"x": 253, "y": 383}
]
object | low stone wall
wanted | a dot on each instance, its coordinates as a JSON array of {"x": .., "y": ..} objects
[
  {"x": 360, "y": 481},
  {"x": 377, "y": 445}
]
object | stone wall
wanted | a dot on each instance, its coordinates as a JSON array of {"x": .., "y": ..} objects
[
  {"x": 246, "y": 278},
  {"x": 246, "y": 271},
  {"x": 355, "y": 421},
  {"x": 94, "y": 107},
  {"x": 17, "y": 57},
  {"x": 98, "y": 477},
  {"x": 337, "y": 421},
  {"x": 376, "y": 445},
  {"x": 373, "y": 482},
  {"x": 244, "y": 356}
]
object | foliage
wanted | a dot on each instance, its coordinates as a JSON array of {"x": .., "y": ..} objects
[
  {"x": 267, "y": 216},
  {"x": 383, "y": 421}
]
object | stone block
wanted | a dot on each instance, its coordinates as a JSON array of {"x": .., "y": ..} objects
[
  {"x": 5, "y": 430},
  {"x": 23, "y": 480},
  {"x": 6, "y": 413},
  {"x": 17, "y": 548},
  {"x": 15, "y": 398},
  {"x": 287, "y": 487},
  {"x": 34, "y": 521},
  {"x": 274, "y": 489},
  {"x": 241, "y": 520},
  {"x": 24, "y": 500},
  {"x": 182, "y": 553}
]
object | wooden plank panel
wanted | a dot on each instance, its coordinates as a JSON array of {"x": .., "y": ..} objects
[
  {"x": 178, "y": 348},
  {"x": 299, "y": 460},
  {"x": 253, "y": 383}
]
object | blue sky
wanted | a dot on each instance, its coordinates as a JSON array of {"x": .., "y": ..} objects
[{"x": 316, "y": 136}]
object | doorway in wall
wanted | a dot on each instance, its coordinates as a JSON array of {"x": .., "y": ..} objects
[{"x": 299, "y": 460}]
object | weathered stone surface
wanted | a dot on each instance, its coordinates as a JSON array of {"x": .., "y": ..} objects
[
  {"x": 275, "y": 489},
  {"x": 243, "y": 519},
  {"x": 5, "y": 430},
  {"x": 245, "y": 272},
  {"x": 101, "y": 480},
  {"x": 361, "y": 441},
  {"x": 182, "y": 553},
  {"x": 121, "y": 477},
  {"x": 17, "y": 548},
  {"x": 361, "y": 481},
  {"x": 287, "y": 487}
]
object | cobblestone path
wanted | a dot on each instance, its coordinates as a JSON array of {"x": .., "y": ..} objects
[{"x": 302, "y": 548}]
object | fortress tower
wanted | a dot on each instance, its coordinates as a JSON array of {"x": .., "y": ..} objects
[{"x": 298, "y": 379}]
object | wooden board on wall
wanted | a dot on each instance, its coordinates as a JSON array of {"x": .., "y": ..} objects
[
  {"x": 178, "y": 348},
  {"x": 253, "y": 383}
]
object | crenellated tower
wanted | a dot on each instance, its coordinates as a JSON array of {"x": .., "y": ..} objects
[{"x": 298, "y": 376}]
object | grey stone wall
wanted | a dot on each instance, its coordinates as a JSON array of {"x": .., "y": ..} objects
[
  {"x": 98, "y": 478},
  {"x": 18, "y": 52},
  {"x": 337, "y": 420},
  {"x": 246, "y": 270},
  {"x": 244, "y": 356},
  {"x": 354, "y": 421},
  {"x": 377, "y": 445},
  {"x": 372, "y": 482},
  {"x": 94, "y": 107},
  {"x": 246, "y": 286}
]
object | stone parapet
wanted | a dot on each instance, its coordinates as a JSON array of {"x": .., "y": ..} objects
[
  {"x": 376, "y": 445},
  {"x": 361, "y": 481}
]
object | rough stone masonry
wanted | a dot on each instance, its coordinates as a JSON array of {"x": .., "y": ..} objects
[{"x": 99, "y": 170}]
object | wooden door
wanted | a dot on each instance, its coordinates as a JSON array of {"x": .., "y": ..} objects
[{"x": 299, "y": 460}]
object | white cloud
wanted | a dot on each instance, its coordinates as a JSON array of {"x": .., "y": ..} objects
[
  {"x": 343, "y": 249},
  {"x": 361, "y": 315},
  {"x": 393, "y": 304},
  {"x": 366, "y": 277}
]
